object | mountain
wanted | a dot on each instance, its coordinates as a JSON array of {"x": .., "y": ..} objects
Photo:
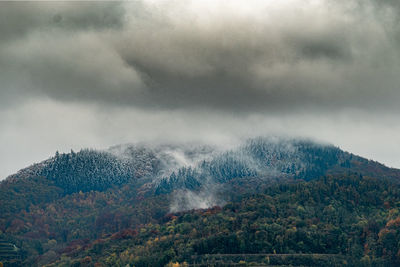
[
  {"x": 165, "y": 168},
  {"x": 84, "y": 207}
]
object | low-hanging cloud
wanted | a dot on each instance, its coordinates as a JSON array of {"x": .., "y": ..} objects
[{"x": 112, "y": 72}]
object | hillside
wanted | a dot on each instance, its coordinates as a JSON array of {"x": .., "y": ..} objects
[
  {"x": 116, "y": 206},
  {"x": 333, "y": 221}
]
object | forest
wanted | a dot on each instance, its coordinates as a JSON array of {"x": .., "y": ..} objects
[
  {"x": 320, "y": 206},
  {"x": 351, "y": 219}
]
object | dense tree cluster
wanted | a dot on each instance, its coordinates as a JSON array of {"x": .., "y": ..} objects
[
  {"x": 258, "y": 157},
  {"x": 300, "y": 158},
  {"x": 87, "y": 170}
]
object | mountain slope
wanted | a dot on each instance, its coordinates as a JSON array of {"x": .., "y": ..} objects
[
  {"x": 334, "y": 221},
  {"x": 61, "y": 205}
]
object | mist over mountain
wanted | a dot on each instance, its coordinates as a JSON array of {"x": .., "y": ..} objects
[
  {"x": 196, "y": 175},
  {"x": 77, "y": 74},
  {"x": 165, "y": 168},
  {"x": 73, "y": 199},
  {"x": 200, "y": 133}
]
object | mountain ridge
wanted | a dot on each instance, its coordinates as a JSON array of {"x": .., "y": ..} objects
[{"x": 180, "y": 166}]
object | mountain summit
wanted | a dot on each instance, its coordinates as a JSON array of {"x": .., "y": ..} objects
[{"x": 167, "y": 167}]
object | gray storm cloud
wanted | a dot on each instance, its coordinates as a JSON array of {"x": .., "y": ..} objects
[
  {"x": 94, "y": 74},
  {"x": 225, "y": 55}
]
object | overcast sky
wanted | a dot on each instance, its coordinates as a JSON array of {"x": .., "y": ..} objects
[{"x": 96, "y": 74}]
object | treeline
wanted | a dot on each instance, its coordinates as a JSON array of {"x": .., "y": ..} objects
[{"x": 88, "y": 170}]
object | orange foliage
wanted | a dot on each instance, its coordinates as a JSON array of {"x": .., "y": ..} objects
[
  {"x": 124, "y": 234},
  {"x": 393, "y": 223}
]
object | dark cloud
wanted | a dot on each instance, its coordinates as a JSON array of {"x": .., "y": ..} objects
[
  {"x": 277, "y": 58},
  {"x": 52, "y": 49},
  {"x": 96, "y": 73},
  {"x": 274, "y": 57},
  {"x": 19, "y": 19}
]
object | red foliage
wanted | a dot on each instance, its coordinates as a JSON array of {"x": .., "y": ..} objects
[
  {"x": 33, "y": 235},
  {"x": 124, "y": 234},
  {"x": 170, "y": 217},
  {"x": 212, "y": 210},
  {"x": 367, "y": 250},
  {"x": 16, "y": 226},
  {"x": 76, "y": 246},
  {"x": 86, "y": 261},
  {"x": 98, "y": 241},
  {"x": 155, "y": 231}
]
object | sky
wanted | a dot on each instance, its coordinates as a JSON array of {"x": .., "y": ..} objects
[{"x": 95, "y": 74}]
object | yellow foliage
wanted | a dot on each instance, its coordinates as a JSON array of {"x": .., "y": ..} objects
[
  {"x": 124, "y": 255},
  {"x": 171, "y": 264},
  {"x": 171, "y": 229},
  {"x": 177, "y": 264}
]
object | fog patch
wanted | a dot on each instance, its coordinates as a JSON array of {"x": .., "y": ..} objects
[{"x": 188, "y": 200}]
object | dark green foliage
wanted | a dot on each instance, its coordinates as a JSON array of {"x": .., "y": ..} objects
[
  {"x": 87, "y": 170},
  {"x": 184, "y": 178},
  {"x": 20, "y": 194},
  {"x": 265, "y": 157},
  {"x": 257, "y": 157},
  {"x": 300, "y": 158}
]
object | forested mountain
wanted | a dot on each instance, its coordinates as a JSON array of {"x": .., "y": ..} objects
[
  {"x": 165, "y": 168},
  {"x": 150, "y": 205}
]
